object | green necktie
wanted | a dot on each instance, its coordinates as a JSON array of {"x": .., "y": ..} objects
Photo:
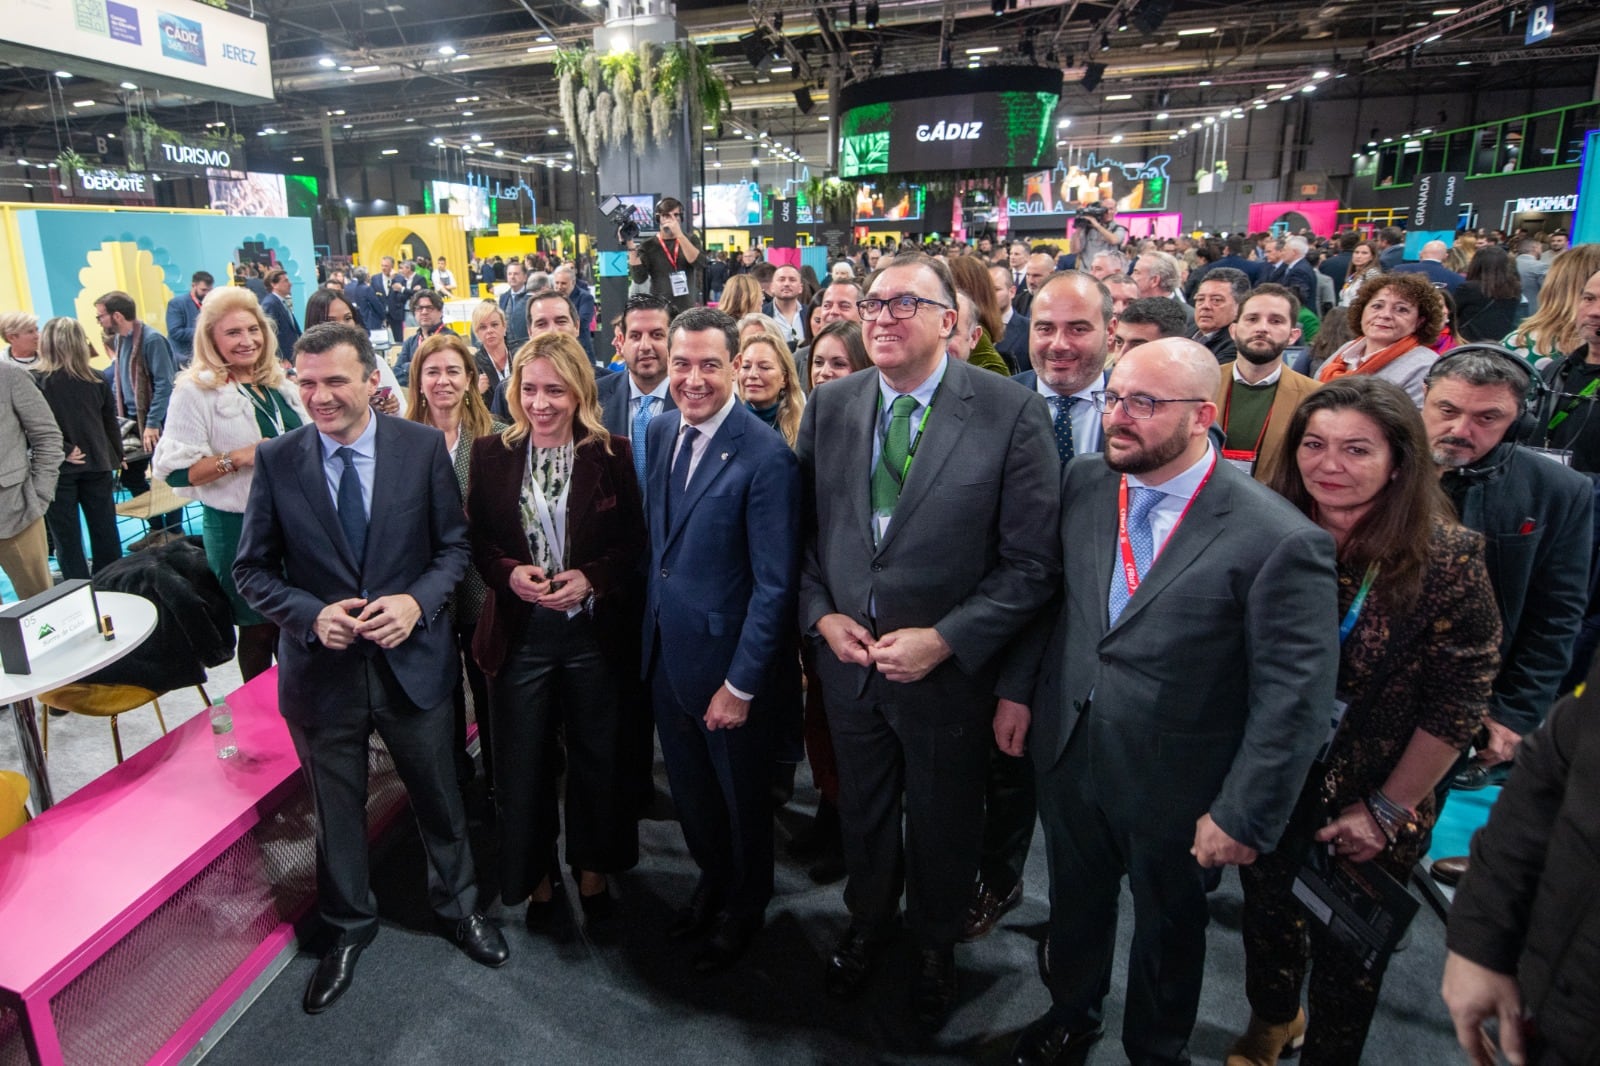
[{"x": 888, "y": 475}]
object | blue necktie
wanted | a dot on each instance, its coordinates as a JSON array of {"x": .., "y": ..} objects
[
  {"x": 641, "y": 422},
  {"x": 678, "y": 477},
  {"x": 352, "y": 510},
  {"x": 1141, "y": 537},
  {"x": 1063, "y": 426}
]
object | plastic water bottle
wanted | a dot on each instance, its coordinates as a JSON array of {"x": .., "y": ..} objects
[{"x": 222, "y": 731}]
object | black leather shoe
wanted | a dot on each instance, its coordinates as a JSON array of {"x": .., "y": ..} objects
[
  {"x": 1449, "y": 871},
  {"x": 698, "y": 916},
  {"x": 852, "y": 961},
  {"x": 599, "y": 907},
  {"x": 1475, "y": 776},
  {"x": 480, "y": 941},
  {"x": 1046, "y": 1042},
  {"x": 933, "y": 989},
  {"x": 334, "y": 974},
  {"x": 987, "y": 908},
  {"x": 728, "y": 943}
]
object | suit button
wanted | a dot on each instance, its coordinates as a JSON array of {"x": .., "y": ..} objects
[
  {"x": 663, "y": 573},
  {"x": 876, "y": 567},
  {"x": 1104, "y": 661}
]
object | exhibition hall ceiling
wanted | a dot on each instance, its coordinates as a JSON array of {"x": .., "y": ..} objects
[{"x": 387, "y": 78}]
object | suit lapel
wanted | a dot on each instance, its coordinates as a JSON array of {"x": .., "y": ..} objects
[
  {"x": 860, "y": 425},
  {"x": 1199, "y": 528},
  {"x": 383, "y": 488},
  {"x": 585, "y": 483},
  {"x": 1101, "y": 502},
  {"x": 719, "y": 452},
  {"x": 946, "y": 422},
  {"x": 314, "y": 483}
]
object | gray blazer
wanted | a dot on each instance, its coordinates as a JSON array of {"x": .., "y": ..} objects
[
  {"x": 30, "y": 451},
  {"x": 1212, "y": 692},
  {"x": 970, "y": 550}
]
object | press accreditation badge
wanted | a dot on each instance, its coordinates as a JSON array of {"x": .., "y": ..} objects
[
  {"x": 680, "y": 283},
  {"x": 1243, "y": 460}
]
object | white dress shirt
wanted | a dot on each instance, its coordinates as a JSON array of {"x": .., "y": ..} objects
[
  {"x": 366, "y": 462},
  {"x": 702, "y": 438},
  {"x": 1086, "y": 428},
  {"x": 1176, "y": 494}
]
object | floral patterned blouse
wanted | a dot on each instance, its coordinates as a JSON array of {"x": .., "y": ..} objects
[{"x": 550, "y": 469}]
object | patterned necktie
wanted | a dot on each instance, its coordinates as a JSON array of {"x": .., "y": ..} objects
[
  {"x": 888, "y": 475},
  {"x": 1142, "y": 538},
  {"x": 352, "y": 509},
  {"x": 641, "y": 422},
  {"x": 1063, "y": 426},
  {"x": 678, "y": 477}
]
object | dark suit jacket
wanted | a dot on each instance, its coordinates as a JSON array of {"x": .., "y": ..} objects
[
  {"x": 1014, "y": 343},
  {"x": 293, "y": 561},
  {"x": 182, "y": 314},
  {"x": 1441, "y": 276},
  {"x": 805, "y": 322},
  {"x": 1337, "y": 268},
  {"x": 283, "y": 322},
  {"x": 1212, "y": 691},
  {"x": 1301, "y": 278},
  {"x": 969, "y": 549},
  {"x": 614, "y": 397},
  {"x": 369, "y": 307},
  {"x": 1222, "y": 346},
  {"x": 1029, "y": 379},
  {"x": 605, "y": 539},
  {"x": 724, "y": 564}
]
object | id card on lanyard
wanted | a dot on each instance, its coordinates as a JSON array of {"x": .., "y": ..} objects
[
  {"x": 1346, "y": 626},
  {"x": 678, "y": 278},
  {"x": 1130, "y": 568},
  {"x": 1243, "y": 460},
  {"x": 553, "y": 524}
]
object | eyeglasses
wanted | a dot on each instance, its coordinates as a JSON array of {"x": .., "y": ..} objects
[
  {"x": 899, "y": 306},
  {"x": 1140, "y": 407}
]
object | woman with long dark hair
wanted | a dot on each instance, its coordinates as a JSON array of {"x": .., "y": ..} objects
[
  {"x": 1487, "y": 302},
  {"x": 330, "y": 305},
  {"x": 1419, "y": 648}
]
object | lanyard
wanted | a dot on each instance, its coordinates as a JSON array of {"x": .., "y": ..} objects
[
  {"x": 1130, "y": 569},
  {"x": 916, "y": 441},
  {"x": 554, "y": 525},
  {"x": 671, "y": 253},
  {"x": 1572, "y": 404},
  {"x": 1354, "y": 613},
  {"x": 268, "y": 409},
  {"x": 1227, "y": 410}
]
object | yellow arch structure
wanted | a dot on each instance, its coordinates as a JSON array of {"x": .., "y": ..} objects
[{"x": 381, "y": 235}]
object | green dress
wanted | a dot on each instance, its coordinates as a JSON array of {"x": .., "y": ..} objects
[{"x": 221, "y": 529}]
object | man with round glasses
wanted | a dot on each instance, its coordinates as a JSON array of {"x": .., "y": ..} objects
[
  {"x": 1173, "y": 705},
  {"x": 935, "y": 489}
]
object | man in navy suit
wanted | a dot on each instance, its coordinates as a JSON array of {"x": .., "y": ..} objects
[
  {"x": 276, "y": 307},
  {"x": 1013, "y": 342},
  {"x": 722, "y": 497},
  {"x": 371, "y": 507},
  {"x": 183, "y": 311},
  {"x": 1293, "y": 272},
  {"x": 1430, "y": 262}
]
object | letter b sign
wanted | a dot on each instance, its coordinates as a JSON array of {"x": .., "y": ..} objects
[{"x": 1541, "y": 21}]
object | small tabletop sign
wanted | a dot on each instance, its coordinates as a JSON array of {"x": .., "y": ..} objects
[{"x": 44, "y": 623}]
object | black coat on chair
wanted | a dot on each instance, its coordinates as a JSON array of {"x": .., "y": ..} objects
[{"x": 194, "y": 621}]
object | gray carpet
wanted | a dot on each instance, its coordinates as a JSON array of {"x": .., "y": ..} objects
[{"x": 566, "y": 999}]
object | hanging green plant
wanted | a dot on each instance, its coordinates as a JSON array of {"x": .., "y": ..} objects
[
  {"x": 632, "y": 100},
  {"x": 70, "y": 161}
]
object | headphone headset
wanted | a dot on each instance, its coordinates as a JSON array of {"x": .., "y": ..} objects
[{"x": 1536, "y": 394}]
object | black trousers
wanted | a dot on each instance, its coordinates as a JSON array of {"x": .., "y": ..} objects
[
  {"x": 1010, "y": 810},
  {"x": 1089, "y": 854},
  {"x": 88, "y": 491},
  {"x": 333, "y": 756},
  {"x": 721, "y": 784},
  {"x": 914, "y": 753},
  {"x": 554, "y": 676}
]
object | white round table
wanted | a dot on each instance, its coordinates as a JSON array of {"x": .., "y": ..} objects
[{"x": 133, "y": 619}]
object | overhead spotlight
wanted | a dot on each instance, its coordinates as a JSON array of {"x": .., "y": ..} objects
[
  {"x": 998, "y": 7},
  {"x": 877, "y": 57},
  {"x": 1105, "y": 42},
  {"x": 757, "y": 50},
  {"x": 872, "y": 14},
  {"x": 802, "y": 100},
  {"x": 1092, "y": 73},
  {"x": 1163, "y": 99},
  {"x": 1148, "y": 15}
]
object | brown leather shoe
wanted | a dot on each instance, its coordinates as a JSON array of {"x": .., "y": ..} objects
[
  {"x": 1263, "y": 1043},
  {"x": 986, "y": 909},
  {"x": 1449, "y": 871}
]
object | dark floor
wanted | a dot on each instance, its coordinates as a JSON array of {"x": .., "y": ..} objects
[{"x": 566, "y": 999}]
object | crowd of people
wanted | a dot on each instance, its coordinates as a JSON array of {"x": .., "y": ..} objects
[{"x": 988, "y": 535}]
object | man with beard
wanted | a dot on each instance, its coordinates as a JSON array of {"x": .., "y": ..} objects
[
  {"x": 1259, "y": 394},
  {"x": 1195, "y": 610},
  {"x": 1536, "y": 515}
]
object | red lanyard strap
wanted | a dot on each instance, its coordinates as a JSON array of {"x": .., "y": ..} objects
[
  {"x": 671, "y": 253},
  {"x": 1130, "y": 568}
]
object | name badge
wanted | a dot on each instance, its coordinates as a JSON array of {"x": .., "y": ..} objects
[
  {"x": 1335, "y": 719},
  {"x": 1242, "y": 460},
  {"x": 680, "y": 283},
  {"x": 1555, "y": 455}
]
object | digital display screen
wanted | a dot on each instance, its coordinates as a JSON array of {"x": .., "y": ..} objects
[
  {"x": 733, "y": 205},
  {"x": 1136, "y": 186},
  {"x": 469, "y": 202},
  {"x": 249, "y": 193},
  {"x": 892, "y": 202},
  {"x": 996, "y": 119}
]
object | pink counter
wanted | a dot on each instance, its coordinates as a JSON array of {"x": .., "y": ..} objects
[{"x": 137, "y": 910}]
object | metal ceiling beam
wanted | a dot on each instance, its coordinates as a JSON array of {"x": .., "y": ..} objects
[{"x": 1442, "y": 26}]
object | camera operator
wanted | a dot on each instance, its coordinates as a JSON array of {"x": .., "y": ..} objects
[
  {"x": 1092, "y": 235},
  {"x": 669, "y": 261}
]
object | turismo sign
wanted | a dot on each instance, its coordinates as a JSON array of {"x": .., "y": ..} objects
[{"x": 168, "y": 155}]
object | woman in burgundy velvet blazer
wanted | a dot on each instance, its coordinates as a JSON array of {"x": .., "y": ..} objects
[{"x": 553, "y": 638}]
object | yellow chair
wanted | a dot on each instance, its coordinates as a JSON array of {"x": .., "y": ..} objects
[
  {"x": 13, "y": 801},
  {"x": 103, "y": 701}
]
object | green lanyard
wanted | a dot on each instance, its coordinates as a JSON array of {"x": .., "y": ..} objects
[
  {"x": 916, "y": 442},
  {"x": 1572, "y": 405}
]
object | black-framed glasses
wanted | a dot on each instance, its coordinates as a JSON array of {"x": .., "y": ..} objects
[
  {"x": 899, "y": 306},
  {"x": 1140, "y": 407}
]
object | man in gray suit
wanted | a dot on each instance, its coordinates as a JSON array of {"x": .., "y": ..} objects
[
  {"x": 30, "y": 461},
  {"x": 934, "y": 493},
  {"x": 1176, "y": 705}
]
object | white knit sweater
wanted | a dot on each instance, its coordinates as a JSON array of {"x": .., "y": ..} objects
[{"x": 205, "y": 422}]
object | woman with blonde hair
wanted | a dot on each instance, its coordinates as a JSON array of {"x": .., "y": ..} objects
[
  {"x": 770, "y": 386},
  {"x": 740, "y": 296},
  {"x": 232, "y": 397},
  {"x": 445, "y": 393},
  {"x": 493, "y": 357},
  {"x": 557, "y": 527},
  {"x": 757, "y": 324},
  {"x": 81, "y": 401},
  {"x": 1552, "y": 331}
]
